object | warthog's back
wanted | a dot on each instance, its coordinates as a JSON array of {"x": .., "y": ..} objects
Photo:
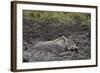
[{"x": 44, "y": 43}]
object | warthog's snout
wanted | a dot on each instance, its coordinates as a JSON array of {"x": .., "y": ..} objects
[{"x": 75, "y": 49}]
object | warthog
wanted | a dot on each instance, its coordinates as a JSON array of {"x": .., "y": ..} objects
[
  {"x": 47, "y": 50},
  {"x": 62, "y": 42}
]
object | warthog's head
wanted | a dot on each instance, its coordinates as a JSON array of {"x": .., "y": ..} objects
[{"x": 68, "y": 44}]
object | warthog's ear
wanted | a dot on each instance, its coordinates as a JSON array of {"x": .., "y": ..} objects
[{"x": 63, "y": 39}]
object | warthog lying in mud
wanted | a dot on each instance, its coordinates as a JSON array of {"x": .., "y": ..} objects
[
  {"x": 48, "y": 50},
  {"x": 62, "y": 43}
]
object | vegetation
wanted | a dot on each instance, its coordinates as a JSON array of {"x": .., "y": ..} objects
[{"x": 49, "y": 25}]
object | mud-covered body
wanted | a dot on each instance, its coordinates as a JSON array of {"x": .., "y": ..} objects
[{"x": 62, "y": 42}]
